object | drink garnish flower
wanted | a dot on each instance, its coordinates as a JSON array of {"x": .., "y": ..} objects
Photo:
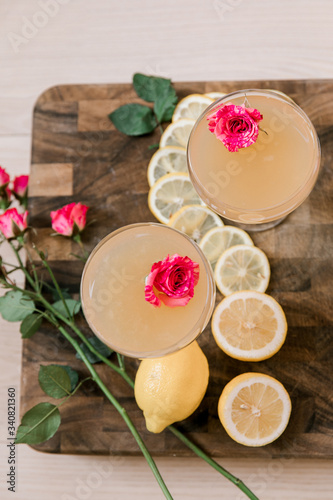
[
  {"x": 174, "y": 278},
  {"x": 235, "y": 126}
]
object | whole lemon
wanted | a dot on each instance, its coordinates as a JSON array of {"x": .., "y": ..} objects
[{"x": 170, "y": 388}]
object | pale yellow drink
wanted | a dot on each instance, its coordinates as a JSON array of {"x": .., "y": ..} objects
[
  {"x": 113, "y": 292},
  {"x": 266, "y": 180}
]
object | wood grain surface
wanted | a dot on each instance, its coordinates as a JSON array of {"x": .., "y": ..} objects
[{"x": 77, "y": 155}]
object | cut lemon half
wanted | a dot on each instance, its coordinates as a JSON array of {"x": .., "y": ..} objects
[
  {"x": 254, "y": 409},
  {"x": 170, "y": 193},
  {"x": 218, "y": 239},
  {"x": 166, "y": 160},
  {"x": 192, "y": 106},
  {"x": 215, "y": 95},
  {"x": 250, "y": 326},
  {"x": 177, "y": 133},
  {"x": 242, "y": 267},
  {"x": 195, "y": 221}
]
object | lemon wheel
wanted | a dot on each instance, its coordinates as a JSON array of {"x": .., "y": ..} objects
[
  {"x": 250, "y": 326},
  {"x": 254, "y": 409}
]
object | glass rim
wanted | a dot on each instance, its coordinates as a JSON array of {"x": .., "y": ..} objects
[
  {"x": 205, "y": 315},
  {"x": 310, "y": 180}
]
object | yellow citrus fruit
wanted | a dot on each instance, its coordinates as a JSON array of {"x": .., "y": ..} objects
[
  {"x": 242, "y": 267},
  {"x": 250, "y": 326},
  {"x": 192, "y": 106},
  {"x": 215, "y": 95},
  {"x": 218, "y": 239},
  {"x": 170, "y": 388},
  {"x": 254, "y": 409},
  {"x": 166, "y": 160},
  {"x": 169, "y": 194},
  {"x": 195, "y": 221},
  {"x": 177, "y": 133}
]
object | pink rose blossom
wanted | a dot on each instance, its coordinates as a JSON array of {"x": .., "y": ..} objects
[
  {"x": 4, "y": 177},
  {"x": 68, "y": 218},
  {"x": 175, "y": 278},
  {"x": 235, "y": 126},
  {"x": 12, "y": 224},
  {"x": 20, "y": 185}
]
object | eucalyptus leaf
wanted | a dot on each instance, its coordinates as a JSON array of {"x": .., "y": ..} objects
[
  {"x": 54, "y": 380},
  {"x": 103, "y": 349},
  {"x": 30, "y": 325},
  {"x": 150, "y": 87},
  {"x": 39, "y": 424},
  {"x": 14, "y": 306},
  {"x": 72, "y": 305},
  {"x": 133, "y": 119},
  {"x": 165, "y": 104},
  {"x": 73, "y": 375}
]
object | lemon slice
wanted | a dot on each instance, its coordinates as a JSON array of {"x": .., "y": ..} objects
[
  {"x": 165, "y": 161},
  {"x": 254, "y": 409},
  {"x": 218, "y": 239},
  {"x": 242, "y": 267},
  {"x": 177, "y": 133},
  {"x": 192, "y": 106},
  {"x": 170, "y": 193},
  {"x": 250, "y": 326},
  {"x": 215, "y": 95},
  {"x": 195, "y": 221}
]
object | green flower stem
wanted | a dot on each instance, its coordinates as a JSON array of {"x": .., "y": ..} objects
[
  {"x": 121, "y": 411},
  {"x": 57, "y": 287},
  {"x": 237, "y": 482},
  {"x": 27, "y": 275}
]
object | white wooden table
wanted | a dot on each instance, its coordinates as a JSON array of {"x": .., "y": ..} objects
[{"x": 47, "y": 42}]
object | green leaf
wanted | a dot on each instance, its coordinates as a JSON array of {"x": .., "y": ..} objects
[
  {"x": 133, "y": 119},
  {"x": 64, "y": 291},
  {"x": 165, "y": 104},
  {"x": 30, "y": 325},
  {"x": 14, "y": 306},
  {"x": 39, "y": 424},
  {"x": 150, "y": 87},
  {"x": 103, "y": 349},
  {"x": 73, "y": 376},
  {"x": 72, "y": 305},
  {"x": 54, "y": 380}
]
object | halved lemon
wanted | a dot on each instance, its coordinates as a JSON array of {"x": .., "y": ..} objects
[
  {"x": 242, "y": 267},
  {"x": 192, "y": 106},
  {"x": 195, "y": 221},
  {"x": 177, "y": 133},
  {"x": 215, "y": 95},
  {"x": 254, "y": 409},
  {"x": 170, "y": 193},
  {"x": 166, "y": 160},
  {"x": 218, "y": 239},
  {"x": 250, "y": 326}
]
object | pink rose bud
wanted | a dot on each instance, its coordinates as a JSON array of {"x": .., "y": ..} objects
[
  {"x": 67, "y": 219},
  {"x": 20, "y": 185},
  {"x": 13, "y": 224},
  {"x": 175, "y": 278},
  {"x": 235, "y": 126},
  {"x": 4, "y": 178}
]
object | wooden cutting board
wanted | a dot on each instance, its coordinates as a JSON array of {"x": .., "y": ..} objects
[{"x": 77, "y": 155}]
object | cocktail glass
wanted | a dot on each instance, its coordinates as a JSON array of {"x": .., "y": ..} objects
[
  {"x": 113, "y": 292},
  {"x": 257, "y": 186}
]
